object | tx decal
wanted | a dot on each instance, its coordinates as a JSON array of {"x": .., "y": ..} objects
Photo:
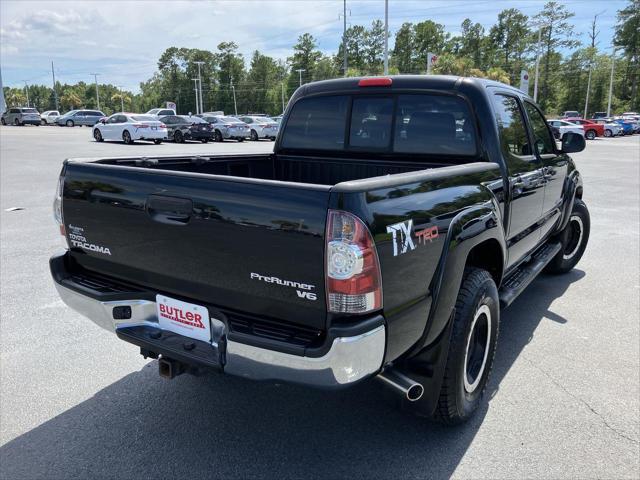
[{"x": 402, "y": 240}]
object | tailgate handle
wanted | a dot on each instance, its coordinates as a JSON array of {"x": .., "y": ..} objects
[{"x": 169, "y": 210}]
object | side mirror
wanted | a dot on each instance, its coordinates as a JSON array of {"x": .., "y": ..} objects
[
  {"x": 103, "y": 120},
  {"x": 573, "y": 143}
]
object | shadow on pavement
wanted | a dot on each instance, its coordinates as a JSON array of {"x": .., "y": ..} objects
[{"x": 219, "y": 426}]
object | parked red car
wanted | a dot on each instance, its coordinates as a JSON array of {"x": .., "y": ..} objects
[{"x": 591, "y": 129}]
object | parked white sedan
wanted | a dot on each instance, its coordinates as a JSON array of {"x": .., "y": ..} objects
[
  {"x": 261, "y": 127},
  {"x": 563, "y": 127},
  {"x": 129, "y": 127}
]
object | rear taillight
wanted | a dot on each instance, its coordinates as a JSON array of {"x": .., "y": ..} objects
[
  {"x": 354, "y": 283},
  {"x": 141, "y": 125},
  {"x": 57, "y": 206},
  {"x": 162, "y": 125}
]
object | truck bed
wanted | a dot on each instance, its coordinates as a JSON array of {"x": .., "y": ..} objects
[{"x": 296, "y": 169}]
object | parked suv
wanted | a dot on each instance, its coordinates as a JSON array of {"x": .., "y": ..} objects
[
  {"x": 21, "y": 116},
  {"x": 80, "y": 117}
]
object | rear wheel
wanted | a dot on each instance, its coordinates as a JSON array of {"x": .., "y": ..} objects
[
  {"x": 217, "y": 136},
  {"x": 473, "y": 344},
  {"x": 178, "y": 137},
  {"x": 3, "y": 121},
  {"x": 70, "y": 123},
  {"x": 204, "y": 140},
  {"x": 43, "y": 122},
  {"x": 157, "y": 141},
  {"x": 590, "y": 134},
  {"x": 240, "y": 139},
  {"x": 97, "y": 135},
  {"x": 16, "y": 122},
  {"x": 126, "y": 137},
  {"x": 608, "y": 133},
  {"x": 573, "y": 238},
  {"x": 254, "y": 135}
]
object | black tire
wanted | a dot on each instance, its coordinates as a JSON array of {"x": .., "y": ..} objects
[
  {"x": 217, "y": 136},
  {"x": 3, "y": 121},
  {"x": 126, "y": 137},
  {"x": 97, "y": 135},
  {"x": 240, "y": 139},
  {"x": 573, "y": 238},
  {"x": 157, "y": 141},
  {"x": 70, "y": 123},
  {"x": 204, "y": 140},
  {"x": 608, "y": 133},
  {"x": 178, "y": 137},
  {"x": 16, "y": 122},
  {"x": 43, "y": 122},
  {"x": 590, "y": 134},
  {"x": 473, "y": 344},
  {"x": 254, "y": 136}
]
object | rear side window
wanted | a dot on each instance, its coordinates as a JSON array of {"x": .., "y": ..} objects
[
  {"x": 543, "y": 140},
  {"x": 513, "y": 134},
  {"x": 317, "y": 123}
]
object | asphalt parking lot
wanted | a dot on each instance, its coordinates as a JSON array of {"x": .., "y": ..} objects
[{"x": 75, "y": 402}]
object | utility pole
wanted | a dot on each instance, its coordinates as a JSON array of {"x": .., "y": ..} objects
[
  {"x": 26, "y": 91},
  {"x": 535, "y": 83},
  {"x": 95, "y": 77},
  {"x": 195, "y": 89},
  {"x": 613, "y": 61},
  {"x": 344, "y": 38},
  {"x": 55, "y": 93},
  {"x": 200, "y": 85},
  {"x": 282, "y": 89},
  {"x": 300, "y": 70},
  {"x": 235, "y": 105},
  {"x": 386, "y": 37}
]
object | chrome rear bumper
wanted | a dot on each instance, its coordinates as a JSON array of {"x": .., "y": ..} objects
[{"x": 347, "y": 360}]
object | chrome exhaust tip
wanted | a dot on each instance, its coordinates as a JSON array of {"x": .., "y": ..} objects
[{"x": 411, "y": 389}]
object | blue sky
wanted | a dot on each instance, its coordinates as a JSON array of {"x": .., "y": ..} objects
[{"x": 122, "y": 40}]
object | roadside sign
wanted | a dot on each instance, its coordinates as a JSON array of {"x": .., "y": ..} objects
[
  {"x": 524, "y": 81},
  {"x": 432, "y": 59}
]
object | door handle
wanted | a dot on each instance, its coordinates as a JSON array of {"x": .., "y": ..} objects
[
  {"x": 169, "y": 210},
  {"x": 547, "y": 173}
]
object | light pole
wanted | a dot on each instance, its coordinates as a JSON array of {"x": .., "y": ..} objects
[
  {"x": 535, "y": 83},
  {"x": 613, "y": 61},
  {"x": 300, "y": 70},
  {"x": 26, "y": 91},
  {"x": 233, "y": 90},
  {"x": 282, "y": 89},
  {"x": 200, "y": 85},
  {"x": 55, "y": 93},
  {"x": 195, "y": 89},
  {"x": 344, "y": 38},
  {"x": 95, "y": 77},
  {"x": 386, "y": 37}
]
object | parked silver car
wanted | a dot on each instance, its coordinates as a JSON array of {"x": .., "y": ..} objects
[
  {"x": 80, "y": 117},
  {"x": 20, "y": 116},
  {"x": 261, "y": 127},
  {"x": 227, "y": 128},
  {"x": 49, "y": 117}
]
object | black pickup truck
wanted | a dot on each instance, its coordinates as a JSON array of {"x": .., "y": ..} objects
[{"x": 395, "y": 218}]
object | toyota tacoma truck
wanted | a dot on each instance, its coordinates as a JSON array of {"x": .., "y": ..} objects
[{"x": 393, "y": 221}]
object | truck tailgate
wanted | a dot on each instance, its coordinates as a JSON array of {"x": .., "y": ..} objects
[{"x": 242, "y": 244}]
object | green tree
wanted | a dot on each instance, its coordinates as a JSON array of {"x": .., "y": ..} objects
[
  {"x": 374, "y": 48},
  {"x": 557, "y": 33},
  {"x": 305, "y": 57},
  {"x": 402, "y": 54},
  {"x": 511, "y": 38},
  {"x": 627, "y": 37}
]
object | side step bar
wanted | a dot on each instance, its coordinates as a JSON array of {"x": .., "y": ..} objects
[{"x": 520, "y": 279}]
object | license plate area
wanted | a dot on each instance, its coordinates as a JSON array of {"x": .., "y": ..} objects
[{"x": 183, "y": 318}]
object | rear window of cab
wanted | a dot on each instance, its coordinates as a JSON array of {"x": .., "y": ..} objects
[{"x": 416, "y": 124}]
